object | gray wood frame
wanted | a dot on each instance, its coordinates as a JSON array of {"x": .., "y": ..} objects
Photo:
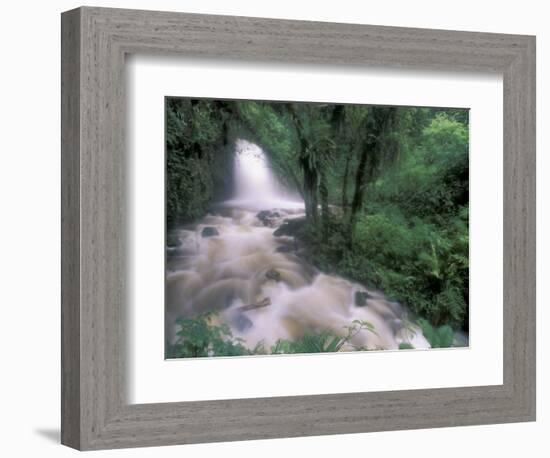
[{"x": 95, "y": 414}]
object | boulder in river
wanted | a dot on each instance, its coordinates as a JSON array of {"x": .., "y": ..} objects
[
  {"x": 209, "y": 231},
  {"x": 361, "y": 298},
  {"x": 173, "y": 241},
  {"x": 242, "y": 322},
  {"x": 284, "y": 249},
  {"x": 290, "y": 227},
  {"x": 273, "y": 274},
  {"x": 396, "y": 325},
  {"x": 269, "y": 218}
]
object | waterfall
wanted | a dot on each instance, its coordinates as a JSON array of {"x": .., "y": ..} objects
[
  {"x": 253, "y": 177},
  {"x": 256, "y": 186}
]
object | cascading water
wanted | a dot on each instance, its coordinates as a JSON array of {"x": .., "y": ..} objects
[
  {"x": 256, "y": 187},
  {"x": 231, "y": 261}
]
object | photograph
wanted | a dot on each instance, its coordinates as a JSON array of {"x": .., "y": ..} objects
[{"x": 299, "y": 227}]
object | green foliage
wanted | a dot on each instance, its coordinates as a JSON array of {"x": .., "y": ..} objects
[
  {"x": 419, "y": 263},
  {"x": 324, "y": 341},
  {"x": 431, "y": 181},
  {"x": 438, "y": 337},
  {"x": 405, "y": 346},
  {"x": 197, "y": 337},
  {"x": 445, "y": 138},
  {"x": 195, "y": 134}
]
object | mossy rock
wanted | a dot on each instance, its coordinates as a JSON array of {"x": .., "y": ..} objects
[
  {"x": 273, "y": 274},
  {"x": 209, "y": 231},
  {"x": 290, "y": 227},
  {"x": 361, "y": 298},
  {"x": 172, "y": 241},
  {"x": 284, "y": 249},
  {"x": 268, "y": 218}
]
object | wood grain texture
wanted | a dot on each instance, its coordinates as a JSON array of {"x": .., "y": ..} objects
[
  {"x": 70, "y": 229},
  {"x": 95, "y": 413}
]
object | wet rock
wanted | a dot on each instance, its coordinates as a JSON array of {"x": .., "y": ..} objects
[
  {"x": 290, "y": 227},
  {"x": 361, "y": 298},
  {"x": 173, "y": 241},
  {"x": 209, "y": 231},
  {"x": 460, "y": 340},
  {"x": 225, "y": 212},
  {"x": 269, "y": 218},
  {"x": 242, "y": 322},
  {"x": 263, "y": 215},
  {"x": 273, "y": 274},
  {"x": 396, "y": 325},
  {"x": 268, "y": 214},
  {"x": 396, "y": 308},
  {"x": 284, "y": 249},
  {"x": 263, "y": 303}
]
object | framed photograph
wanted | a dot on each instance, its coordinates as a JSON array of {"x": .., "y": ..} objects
[{"x": 278, "y": 228}]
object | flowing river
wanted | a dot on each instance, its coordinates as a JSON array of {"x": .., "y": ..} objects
[{"x": 231, "y": 262}]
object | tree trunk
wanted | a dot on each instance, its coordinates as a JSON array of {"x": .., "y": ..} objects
[
  {"x": 310, "y": 191},
  {"x": 308, "y": 169},
  {"x": 323, "y": 192},
  {"x": 345, "y": 187},
  {"x": 377, "y": 148},
  {"x": 358, "y": 195}
]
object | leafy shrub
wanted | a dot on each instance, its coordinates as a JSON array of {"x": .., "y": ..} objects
[
  {"x": 196, "y": 131},
  {"x": 449, "y": 306},
  {"x": 197, "y": 337},
  {"x": 322, "y": 342},
  {"x": 431, "y": 182},
  {"x": 438, "y": 337},
  {"x": 419, "y": 263},
  {"x": 445, "y": 138}
]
